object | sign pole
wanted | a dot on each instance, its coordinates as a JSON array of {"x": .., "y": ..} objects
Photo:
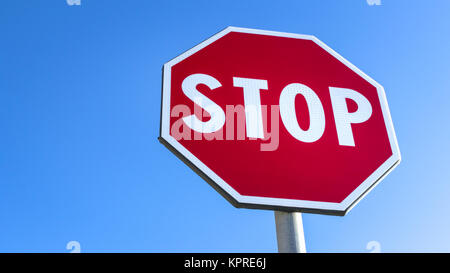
[{"x": 290, "y": 236}]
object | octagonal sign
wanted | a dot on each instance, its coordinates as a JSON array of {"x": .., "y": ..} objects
[{"x": 277, "y": 121}]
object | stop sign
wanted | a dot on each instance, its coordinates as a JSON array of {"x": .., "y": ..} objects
[{"x": 277, "y": 121}]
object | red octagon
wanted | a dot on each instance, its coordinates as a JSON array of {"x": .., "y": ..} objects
[{"x": 320, "y": 161}]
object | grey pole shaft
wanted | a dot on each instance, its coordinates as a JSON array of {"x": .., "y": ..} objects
[{"x": 290, "y": 236}]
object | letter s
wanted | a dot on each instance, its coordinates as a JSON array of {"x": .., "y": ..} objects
[{"x": 217, "y": 119}]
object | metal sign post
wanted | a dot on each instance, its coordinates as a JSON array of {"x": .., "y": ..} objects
[{"x": 290, "y": 235}]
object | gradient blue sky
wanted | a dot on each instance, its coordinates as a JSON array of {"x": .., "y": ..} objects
[{"x": 79, "y": 121}]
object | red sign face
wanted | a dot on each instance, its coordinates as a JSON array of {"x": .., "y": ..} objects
[{"x": 277, "y": 121}]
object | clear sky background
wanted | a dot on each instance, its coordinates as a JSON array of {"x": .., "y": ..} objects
[{"x": 80, "y": 91}]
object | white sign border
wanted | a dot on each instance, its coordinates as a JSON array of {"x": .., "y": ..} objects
[{"x": 279, "y": 203}]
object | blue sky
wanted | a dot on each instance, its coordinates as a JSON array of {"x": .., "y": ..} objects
[{"x": 79, "y": 121}]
